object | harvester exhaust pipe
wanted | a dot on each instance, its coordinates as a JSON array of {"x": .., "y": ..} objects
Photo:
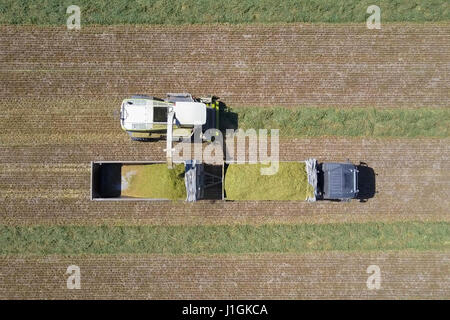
[{"x": 169, "y": 150}]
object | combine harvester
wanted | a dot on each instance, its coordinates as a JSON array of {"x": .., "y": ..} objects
[
  {"x": 175, "y": 118},
  {"x": 180, "y": 116}
]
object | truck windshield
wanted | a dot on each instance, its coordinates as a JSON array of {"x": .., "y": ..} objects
[{"x": 160, "y": 114}]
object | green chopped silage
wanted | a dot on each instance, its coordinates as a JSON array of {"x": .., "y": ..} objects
[
  {"x": 245, "y": 182},
  {"x": 153, "y": 181}
]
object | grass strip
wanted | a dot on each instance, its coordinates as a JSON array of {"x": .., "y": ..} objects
[
  {"x": 353, "y": 122},
  {"x": 162, "y": 12},
  {"x": 225, "y": 239},
  {"x": 298, "y": 121}
]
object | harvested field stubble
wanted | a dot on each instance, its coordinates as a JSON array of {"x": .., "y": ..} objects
[
  {"x": 345, "y": 65},
  {"x": 269, "y": 276}
]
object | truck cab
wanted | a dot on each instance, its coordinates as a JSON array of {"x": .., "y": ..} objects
[{"x": 338, "y": 181}]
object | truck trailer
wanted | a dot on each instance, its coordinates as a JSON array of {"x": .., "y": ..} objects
[{"x": 195, "y": 181}]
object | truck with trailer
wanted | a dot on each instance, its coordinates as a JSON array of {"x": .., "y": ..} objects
[{"x": 194, "y": 181}]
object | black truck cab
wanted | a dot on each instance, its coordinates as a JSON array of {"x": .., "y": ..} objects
[{"x": 338, "y": 181}]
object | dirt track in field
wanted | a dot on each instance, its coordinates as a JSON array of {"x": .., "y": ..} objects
[
  {"x": 341, "y": 65},
  {"x": 269, "y": 276}
]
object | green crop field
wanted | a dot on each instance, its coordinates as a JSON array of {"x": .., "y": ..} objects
[
  {"x": 224, "y": 239},
  {"x": 351, "y": 122},
  {"x": 108, "y": 12}
]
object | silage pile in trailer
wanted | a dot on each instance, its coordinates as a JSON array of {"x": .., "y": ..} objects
[
  {"x": 245, "y": 182},
  {"x": 153, "y": 181}
]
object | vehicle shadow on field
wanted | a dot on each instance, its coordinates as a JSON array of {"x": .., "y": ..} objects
[
  {"x": 366, "y": 182},
  {"x": 227, "y": 118}
]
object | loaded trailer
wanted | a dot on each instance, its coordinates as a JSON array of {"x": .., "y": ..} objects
[
  {"x": 193, "y": 181},
  {"x": 153, "y": 180}
]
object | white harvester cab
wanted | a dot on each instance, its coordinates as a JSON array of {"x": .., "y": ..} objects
[
  {"x": 190, "y": 113},
  {"x": 177, "y": 117},
  {"x": 143, "y": 114}
]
